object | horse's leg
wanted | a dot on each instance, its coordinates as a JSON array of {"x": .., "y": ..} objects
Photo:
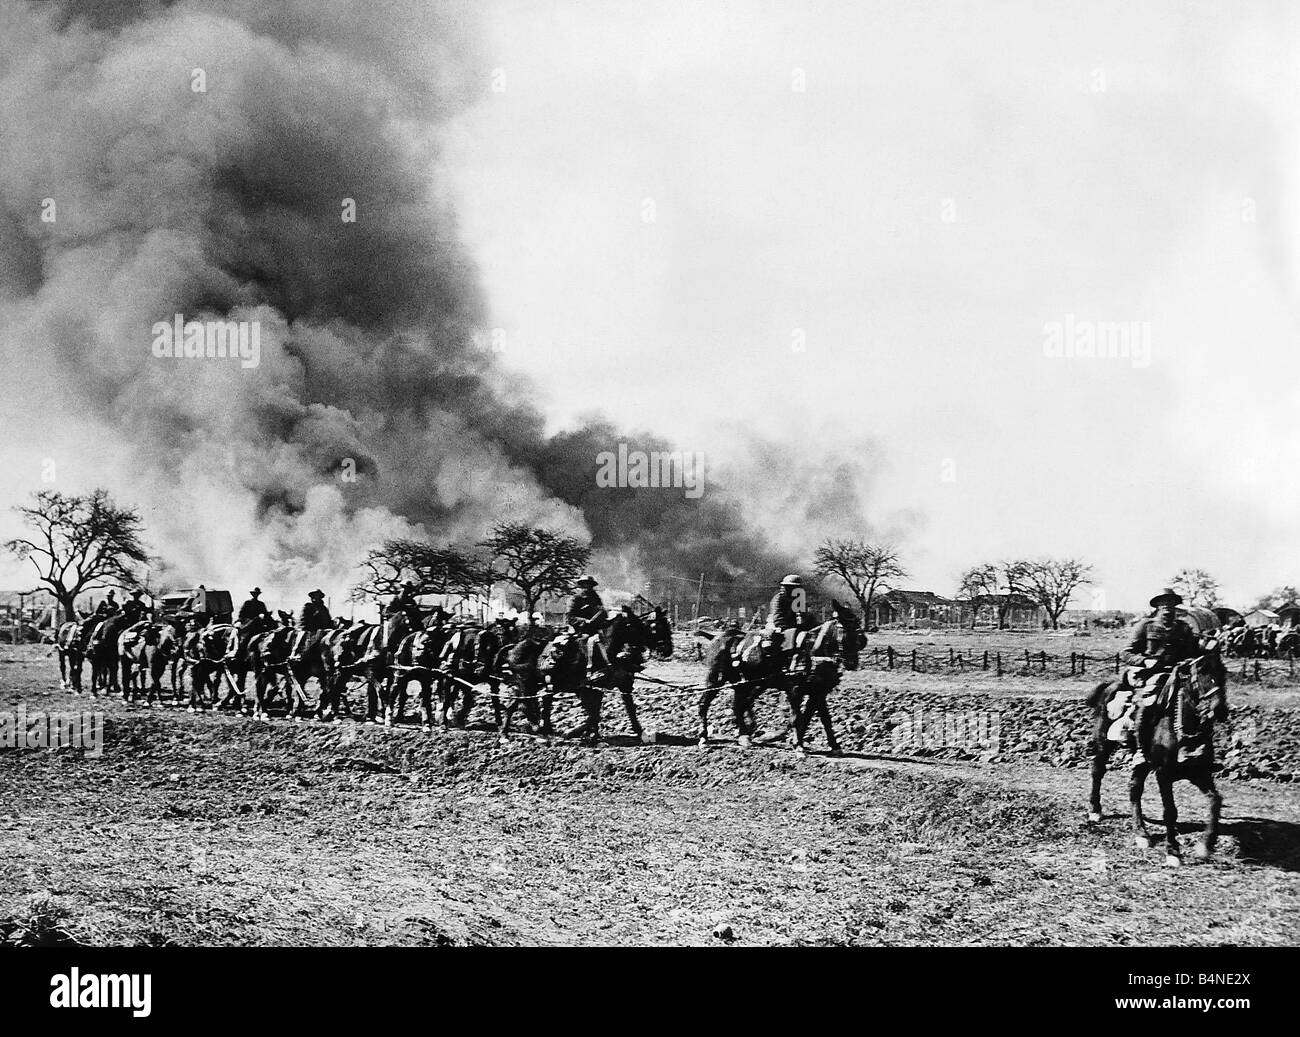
[
  {"x": 1101, "y": 753},
  {"x": 741, "y": 700},
  {"x": 824, "y": 713},
  {"x": 706, "y": 700},
  {"x": 468, "y": 697},
  {"x": 629, "y": 704},
  {"x": 1204, "y": 780},
  {"x": 1165, "y": 779},
  {"x": 1137, "y": 779}
]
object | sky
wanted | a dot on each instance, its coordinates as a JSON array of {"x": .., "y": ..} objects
[
  {"x": 779, "y": 234},
  {"x": 835, "y": 223}
]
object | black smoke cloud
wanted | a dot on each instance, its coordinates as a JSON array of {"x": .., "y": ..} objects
[{"x": 227, "y": 203}]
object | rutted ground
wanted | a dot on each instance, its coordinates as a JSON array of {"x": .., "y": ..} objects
[{"x": 220, "y": 830}]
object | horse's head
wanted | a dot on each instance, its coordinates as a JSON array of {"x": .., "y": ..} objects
[{"x": 1210, "y": 683}]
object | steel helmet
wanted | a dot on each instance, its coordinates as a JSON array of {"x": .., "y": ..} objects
[{"x": 793, "y": 580}]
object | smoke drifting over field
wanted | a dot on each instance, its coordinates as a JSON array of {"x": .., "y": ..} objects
[{"x": 227, "y": 203}]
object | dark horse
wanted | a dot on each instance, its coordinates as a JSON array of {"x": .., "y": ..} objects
[
  {"x": 1176, "y": 740},
  {"x": 744, "y": 661},
  {"x": 467, "y": 662},
  {"x": 587, "y": 667},
  {"x": 71, "y": 643}
]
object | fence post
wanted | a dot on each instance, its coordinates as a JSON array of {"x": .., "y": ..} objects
[
  {"x": 1027, "y": 662},
  {"x": 1256, "y": 669},
  {"x": 951, "y": 661},
  {"x": 890, "y": 651},
  {"x": 913, "y": 660},
  {"x": 1042, "y": 659},
  {"x": 1071, "y": 664},
  {"x": 986, "y": 658},
  {"x": 999, "y": 664},
  {"x": 1117, "y": 662}
]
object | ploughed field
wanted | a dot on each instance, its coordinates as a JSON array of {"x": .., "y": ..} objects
[{"x": 216, "y": 829}]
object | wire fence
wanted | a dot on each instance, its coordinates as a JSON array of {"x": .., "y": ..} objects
[{"x": 1024, "y": 662}]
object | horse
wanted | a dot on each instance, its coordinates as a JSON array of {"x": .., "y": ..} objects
[
  {"x": 208, "y": 652},
  {"x": 468, "y": 659},
  {"x": 416, "y": 659},
  {"x": 745, "y": 661},
  {"x": 267, "y": 653},
  {"x": 519, "y": 664},
  {"x": 102, "y": 649},
  {"x": 145, "y": 649},
  {"x": 1175, "y": 739},
  {"x": 589, "y": 666},
  {"x": 70, "y": 643}
]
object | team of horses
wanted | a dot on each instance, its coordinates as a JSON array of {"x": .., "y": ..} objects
[
  {"x": 249, "y": 666},
  {"x": 523, "y": 670}
]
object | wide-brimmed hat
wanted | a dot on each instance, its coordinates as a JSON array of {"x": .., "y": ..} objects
[
  {"x": 793, "y": 580},
  {"x": 1168, "y": 594},
  {"x": 255, "y": 591},
  {"x": 316, "y": 594},
  {"x": 586, "y": 580}
]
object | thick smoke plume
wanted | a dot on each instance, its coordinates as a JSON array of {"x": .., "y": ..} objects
[{"x": 373, "y": 412}]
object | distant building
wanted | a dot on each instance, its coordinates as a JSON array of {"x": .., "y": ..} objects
[
  {"x": 1261, "y": 617},
  {"x": 909, "y": 608}
]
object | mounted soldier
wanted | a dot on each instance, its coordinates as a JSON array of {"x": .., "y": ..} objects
[
  {"x": 785, "y": 617},
  {"x": 253, "y": 611},
  {"x": 312, "y": 621},
  {"x": 404, "y": 601},
  {"x": 1161, "y": 642},
  {"x": 586, "y": 612},
  {"x": 107, "y": 607},
  {"x": 135, "y": 609}
]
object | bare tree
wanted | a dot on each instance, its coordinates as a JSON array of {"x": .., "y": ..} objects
[
  {"x": 433, "y": 568},
  {"x": 862, "y": 567},
  {"x": 997, "y": 583},
  {"x": 1197, "y": 587},
  {"x": 536, "y": 561},
  {"x": 1051, "y": 582},
  {"x": 81, "y": 543}
]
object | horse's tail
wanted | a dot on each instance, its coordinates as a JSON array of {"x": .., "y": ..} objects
[{"x": 1096, "y": 700}]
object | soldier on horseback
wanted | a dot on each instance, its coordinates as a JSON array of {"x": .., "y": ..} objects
[
  {"x": 1161, "y": 641},
  {"x": 586, "y": 612},
  {"x": 135, "y": 609},
  {"x": 253, "y": 611},
  {"x": 312, "y": 621},
  {"x": 404, "y": 601},
  {"x": 785, "y": 617},
  {"x": 107, "y": 607}
]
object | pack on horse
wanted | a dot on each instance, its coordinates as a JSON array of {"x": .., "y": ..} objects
[{"x": 1174, "y": 737}]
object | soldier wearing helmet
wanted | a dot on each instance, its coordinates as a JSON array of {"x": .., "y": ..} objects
[{"x": 586, "y": 612}]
